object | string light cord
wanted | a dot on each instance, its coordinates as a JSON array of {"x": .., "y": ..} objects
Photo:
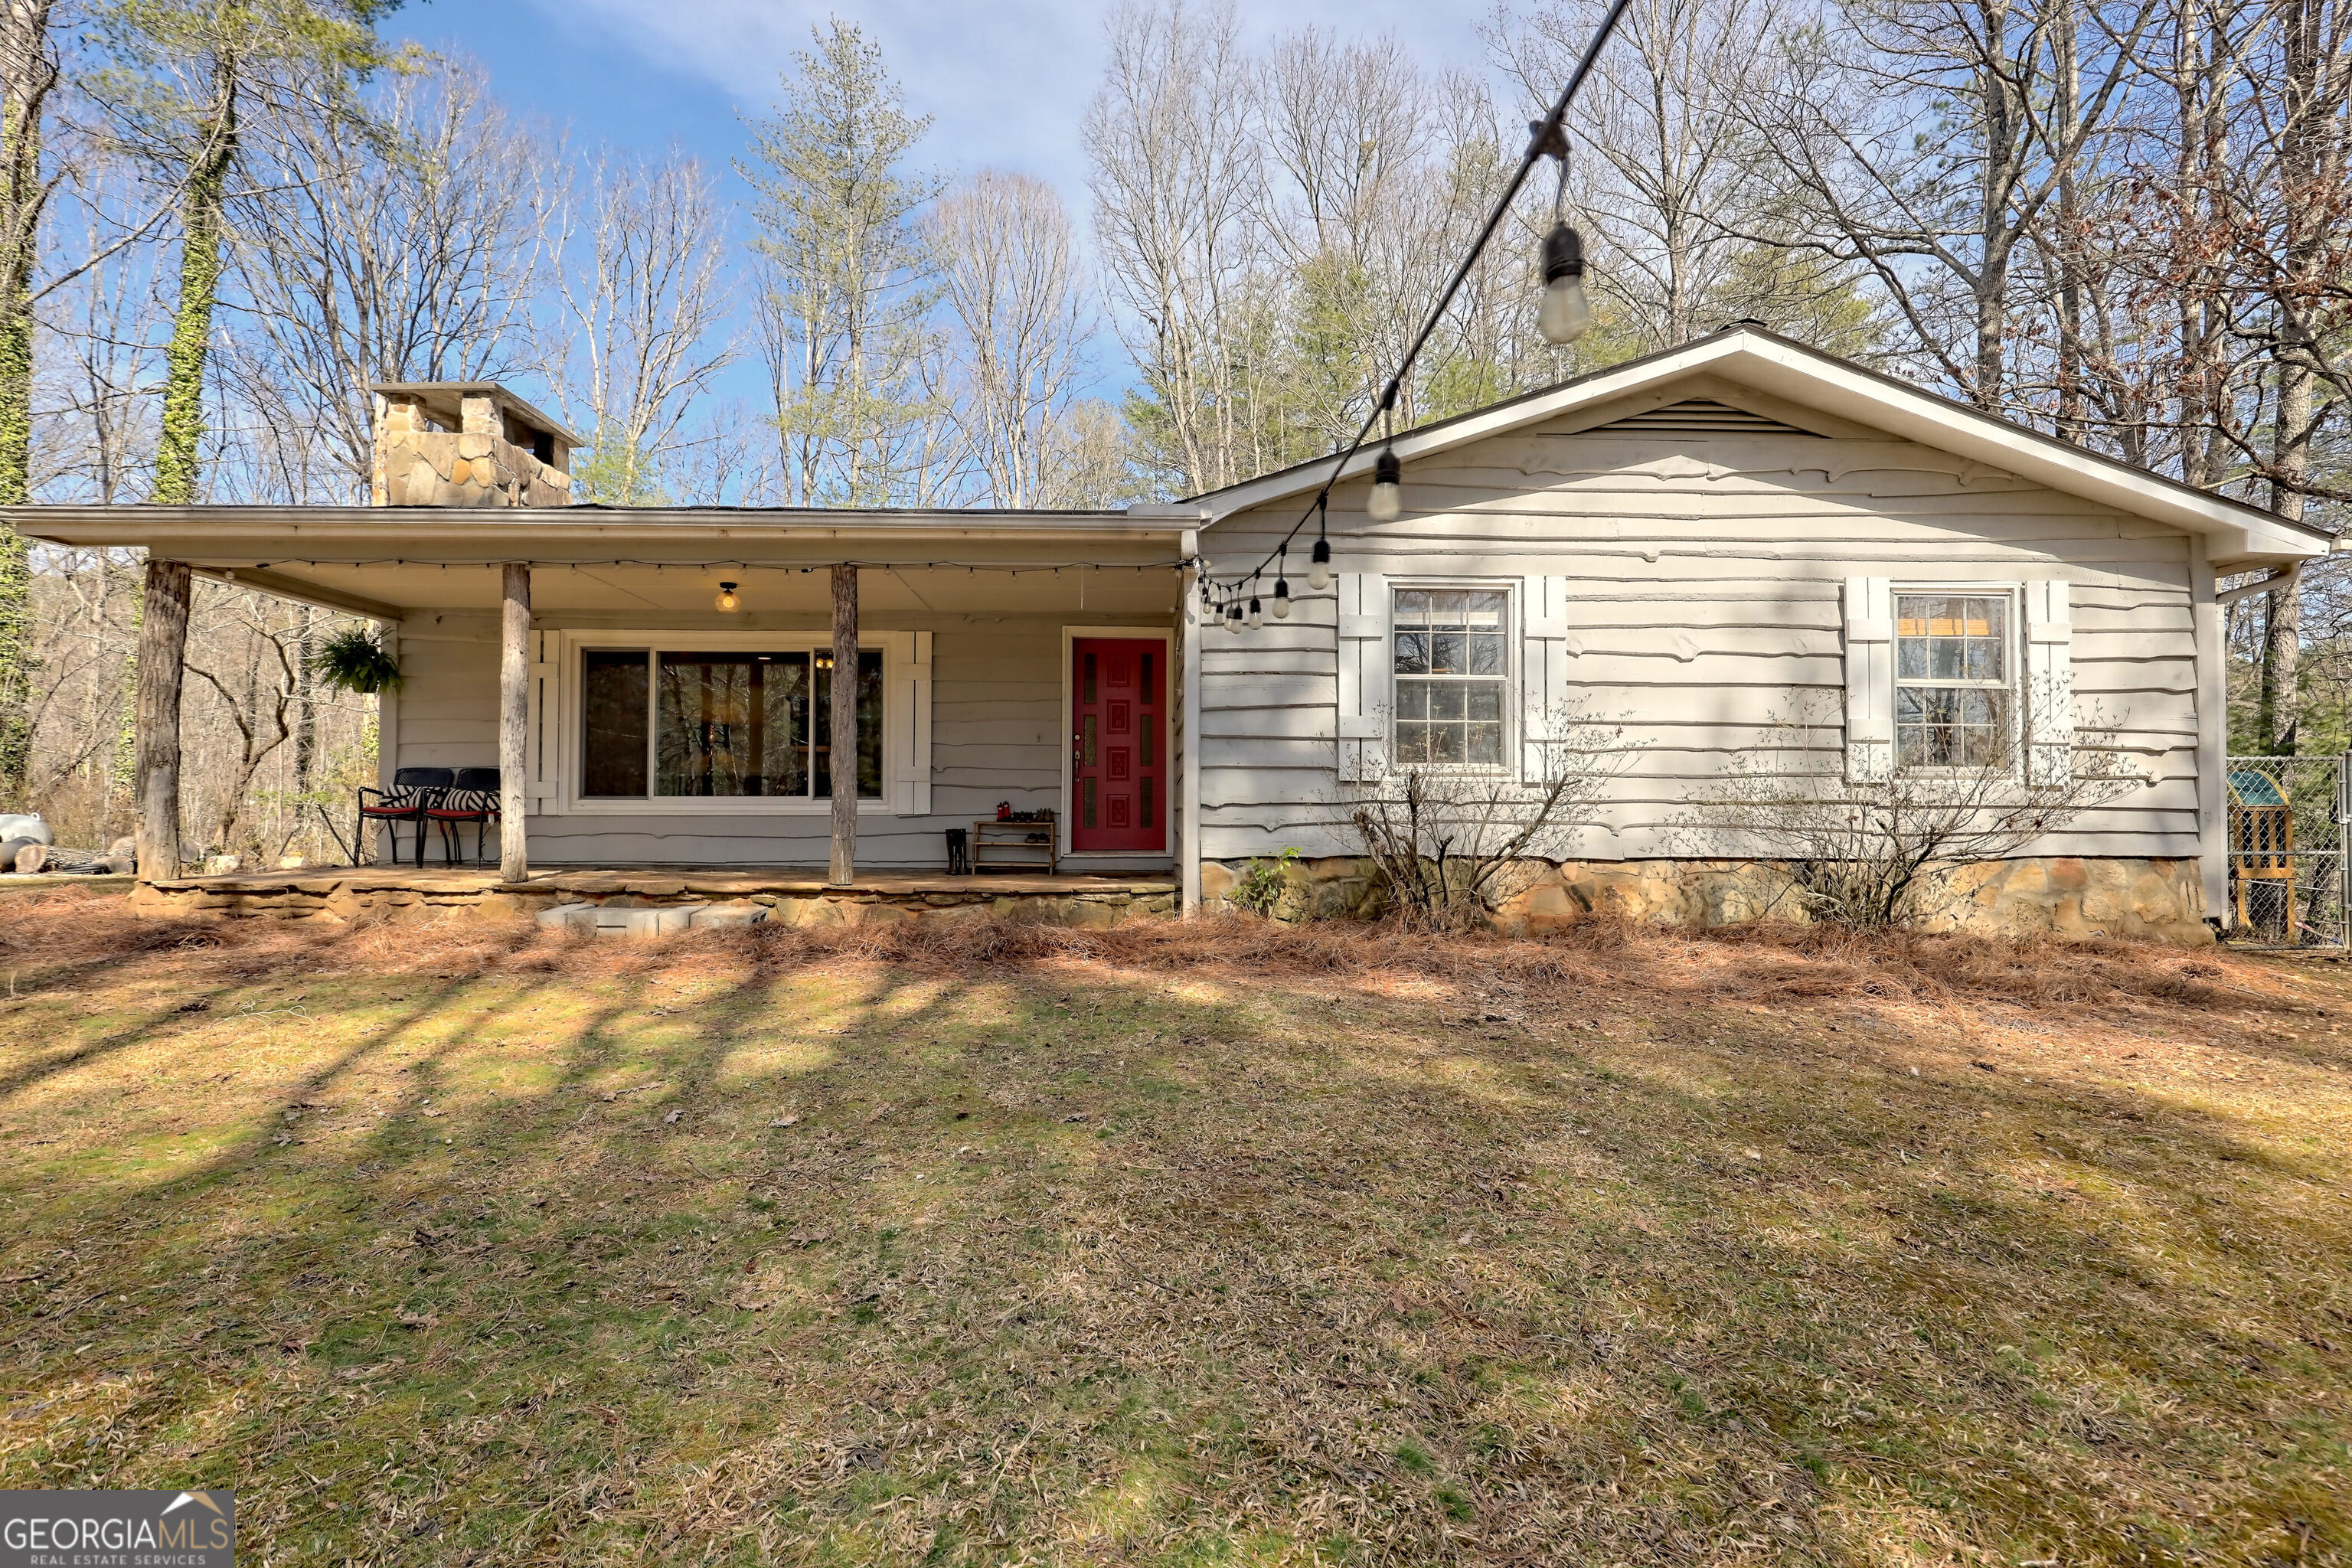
[{"x": 1547, "y": 136}]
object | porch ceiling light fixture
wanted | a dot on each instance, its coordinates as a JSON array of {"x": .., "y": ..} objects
[{"x": 727, "y": 602}]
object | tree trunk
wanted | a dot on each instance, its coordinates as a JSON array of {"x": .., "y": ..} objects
[
  {"x": 162, "y": 645},
  {"x": 844, "y": 726},
  {"x": 180, "y": 447},
  {"x": 514, "y": 721},
  {"x": 28, "y": 73}
]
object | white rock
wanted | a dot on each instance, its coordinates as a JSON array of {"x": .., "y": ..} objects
[{"x": 739, "y": 913}]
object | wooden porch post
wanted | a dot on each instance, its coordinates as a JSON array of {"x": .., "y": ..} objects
[
  {"x": 163, "y": 648},
  {"x": 514, "y": 720},
  {"x": 845, "y": 726}
]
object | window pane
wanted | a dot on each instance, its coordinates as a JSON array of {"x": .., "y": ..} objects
[
  {"x": 710, "y": 724},
  {"x": 1447, "y": 699},
  {"x": 869, "y": 726},
  {"x": 613, "y": 735},
  {"x": 784, "y": 757},
  {"x": 1487, "y": 746},
  {"x": 1446, "y": 653},
  {"x": 1485, "y": 698},
  {"x": 1445, "y": 743},
  {"x": 1412, "y": 653},
  {"x": 1413, "y": 741},
  {"x": 1485, "y": 654},
  {"x": 1412, "y": 698}
]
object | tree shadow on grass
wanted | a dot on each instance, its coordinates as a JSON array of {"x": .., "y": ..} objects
[{"x": 1117, "y": 1257}]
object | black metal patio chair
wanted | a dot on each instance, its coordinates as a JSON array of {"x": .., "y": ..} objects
[
  {"x": 414, "y": 791},
  {"x": 472, "y": 796}
]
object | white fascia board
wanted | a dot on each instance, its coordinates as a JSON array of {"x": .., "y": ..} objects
[
  {"x": 1819, "y": 381},
  {"x": 498, "y": 534}
]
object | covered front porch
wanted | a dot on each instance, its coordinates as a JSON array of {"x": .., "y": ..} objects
[{"x": 651, "y": 693}]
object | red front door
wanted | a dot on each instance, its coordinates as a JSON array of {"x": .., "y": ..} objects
[{"x": 1119, "y": 744}]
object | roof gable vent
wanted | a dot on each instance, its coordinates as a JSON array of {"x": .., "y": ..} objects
[{"x": 1696, "y": 416}]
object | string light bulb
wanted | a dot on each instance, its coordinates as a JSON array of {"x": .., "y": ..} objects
[
  {"x": 1388, "y": 487},
  {"x": 1234, "y": 615},
  {"x": 1566, "y": 313},
  {"x": 1281, "y": 599},
  {"x": 727, "y": 602},
  {"x": 1257, "y": 615}
]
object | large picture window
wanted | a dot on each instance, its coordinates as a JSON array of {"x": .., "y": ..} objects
[
  {"x": 732, "y": 724},
  {"x": 1451, "y": 672},
  {"x": 1953, "y": 680}
]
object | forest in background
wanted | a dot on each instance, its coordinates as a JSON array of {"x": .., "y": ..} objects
[{"x": 2122, "y": 223}]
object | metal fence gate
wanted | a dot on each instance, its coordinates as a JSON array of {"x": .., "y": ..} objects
[{"x": 2288, "y": 868}]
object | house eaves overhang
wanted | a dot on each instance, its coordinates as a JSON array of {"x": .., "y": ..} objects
[
  {"x": 278, "y": 549},
  {"x": 2238, "y": 535},
  {"x": 491, "y": 534}
]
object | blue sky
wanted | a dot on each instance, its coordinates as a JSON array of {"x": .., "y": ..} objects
[{"x": 1005, "y": 81}]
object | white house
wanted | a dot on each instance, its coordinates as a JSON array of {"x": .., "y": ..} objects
[{"x": 1720, "y": 547}]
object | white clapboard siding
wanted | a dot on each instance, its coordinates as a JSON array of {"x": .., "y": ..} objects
[
  {"x": 1708, "y": 588},
  {"x": 2049, "y": 683},
  {"x": 1366, "y": 664}
]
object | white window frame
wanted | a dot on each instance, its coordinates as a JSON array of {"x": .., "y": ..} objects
[
  {"x": 1514, "y": 634},
  {"x": 2013, "y": 642},
  {"x": 897, "y": 797}
]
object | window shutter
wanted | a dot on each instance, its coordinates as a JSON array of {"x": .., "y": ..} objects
[
  {"x": 2049, "y": 683},
  {"x": 1543, "y": 673},
  {"x": 1366, "y": 659},
  {"x": 913, "y": 733},
  {"x": 1869, "y": 680},
  {"x": 544, "y": 753}
]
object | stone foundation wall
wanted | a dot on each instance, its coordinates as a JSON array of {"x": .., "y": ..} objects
[
  {"x": 339, "y": 901},
  {"x": 2162, "y": 900}
]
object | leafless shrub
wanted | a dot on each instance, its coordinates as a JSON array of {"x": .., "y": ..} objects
[
  {"x": 1449, "y": 846},
  {"x": 1868, "y": 854}
]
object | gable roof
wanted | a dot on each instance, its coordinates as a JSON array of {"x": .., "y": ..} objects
[{"x": 1808, "y": 378}]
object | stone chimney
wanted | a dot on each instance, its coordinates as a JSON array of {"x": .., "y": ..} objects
[{"x": 466, "y": 443}]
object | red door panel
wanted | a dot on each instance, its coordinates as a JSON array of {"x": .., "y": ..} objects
[{"x": 1119, "y": 744}]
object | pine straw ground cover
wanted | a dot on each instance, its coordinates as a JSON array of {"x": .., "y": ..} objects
[{"x": 1216, "y": 1244}]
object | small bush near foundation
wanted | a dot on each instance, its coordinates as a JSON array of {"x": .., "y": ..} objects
[{"x": 1263, "y": 883}]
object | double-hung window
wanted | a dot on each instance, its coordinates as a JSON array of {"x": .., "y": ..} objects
[
  {"x": 730, "y": 724},
  {"x": 1452, "y": 670},
  {"x": 1955, "y": 681}
]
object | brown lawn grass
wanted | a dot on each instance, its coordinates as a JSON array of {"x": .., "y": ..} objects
[{"x": 1216, "y": 1243}]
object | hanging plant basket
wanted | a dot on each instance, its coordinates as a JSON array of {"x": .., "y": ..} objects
[{"x": 354, "y": 661}]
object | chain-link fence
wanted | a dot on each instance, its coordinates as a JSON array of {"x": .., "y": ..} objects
[{"x": 2287, "y": 851}]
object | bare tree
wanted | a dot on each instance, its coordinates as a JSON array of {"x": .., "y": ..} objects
[
  {"x": 644, "y": 303},
  {"x": 1175, "y": 176},
  {"x": 1016, "y": 289},
  {"x": 397, "y": 240},
  {"x": 1675, "y": 188}
]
